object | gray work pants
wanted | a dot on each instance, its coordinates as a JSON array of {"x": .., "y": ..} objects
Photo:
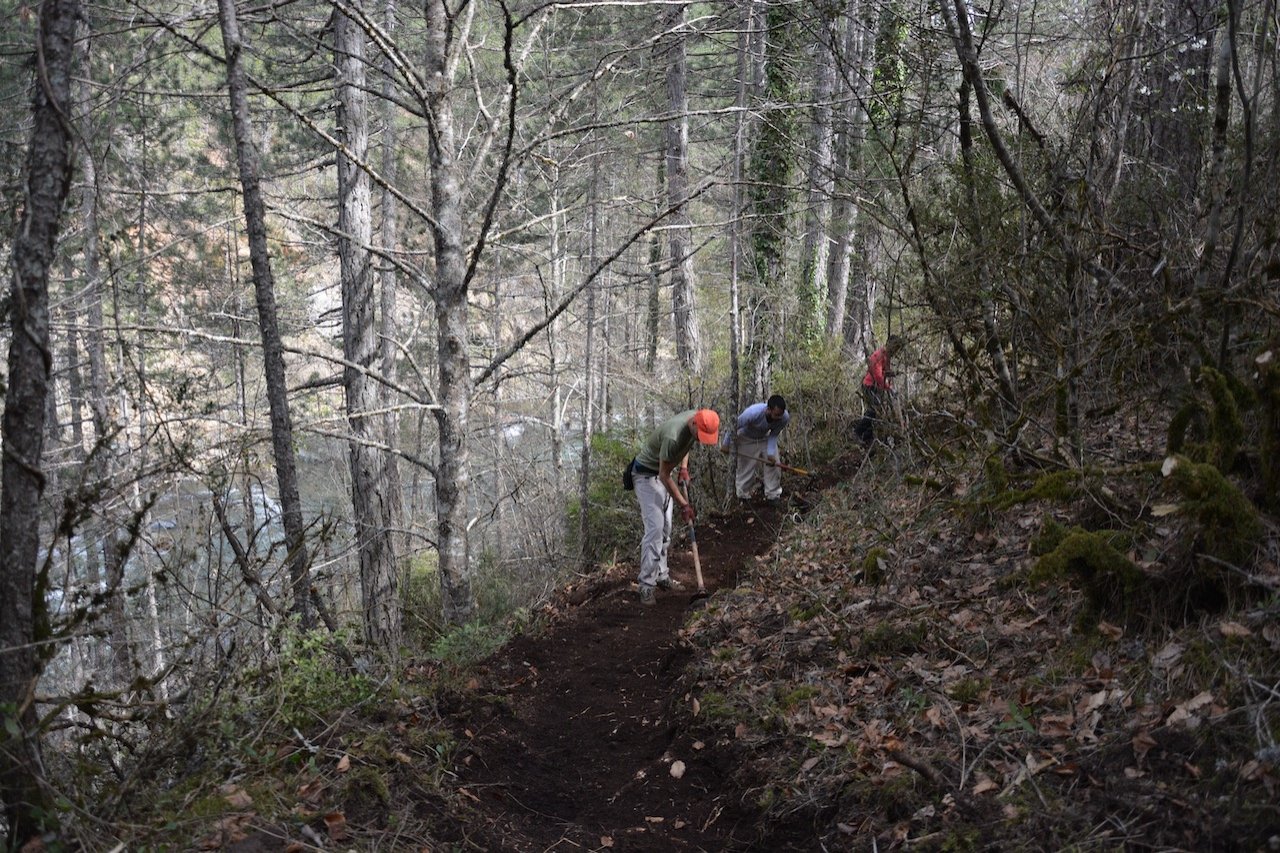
[{"x": 655, "y": 512}]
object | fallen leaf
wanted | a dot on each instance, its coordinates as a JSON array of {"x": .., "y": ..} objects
[
  {"x": 1056, "y": 725},
  {"x": 654, "y": 819},
  {"x": 311, "y": 790},
  {"x": 1161, "y": 510},
  {"x": 831, "y": 738},
  {"x": 344, "y": 764},
  {"x": 677, "y": 769},
  {"x": 401, "y": 757},
  {"x": 236, "y": 797},
  {"x": 678, "y": 824},
  {"x": 984, "y": 785},
  {"x": 1167, "y": 656},
  {"x": 740, "y": 730},
  {"x": 1091, "y": 703},
  {"x": 1234, "y": 629},
  {"x": 1111, "y": 632},
  {"x": 606, "y": 841},
  {"x": 1035, "y": 765},
  {"x": 1185, "y": 714},
  {"x": 697, "y": 744},
  {"x": 696, "y": 706},
  {"x": 336, "y": 823}
]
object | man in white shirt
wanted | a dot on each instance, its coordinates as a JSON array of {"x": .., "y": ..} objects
[{"x": 757, "y": 445}]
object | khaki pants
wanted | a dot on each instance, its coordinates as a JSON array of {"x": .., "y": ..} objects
[{"x": 752, "y": 471}]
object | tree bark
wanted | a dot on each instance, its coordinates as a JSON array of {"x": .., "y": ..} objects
[
  {"x": 671, "y": 52},
  {"x": 584, "y": 469},
  {"x": 994, "y": 342},
  {"x": 859, "y": 57},
  {"x": 453, "y": 474},
  {"x": 821, "y": 171},
  {"x": 388, "y": 321},
  {"x": 371, "y": 510},
  {"x": 255, "y": 216},
  {"x": 23, "y": 623}
]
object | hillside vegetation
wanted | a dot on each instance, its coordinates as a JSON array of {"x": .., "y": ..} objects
[
  {"x": 941, "y": 657},
  {"x": 936, "y": 647}
]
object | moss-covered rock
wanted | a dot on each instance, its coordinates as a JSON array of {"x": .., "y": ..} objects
[
  {"x": 873, "y": 566},
  {"x": 1110, "y": 581},
  {"x": 1229, "y": 526}
]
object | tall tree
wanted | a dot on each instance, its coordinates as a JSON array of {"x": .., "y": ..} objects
[
  {"x": 773, "y": 166},
  {"x": 22, "y": 607},
  {"x": 255, "y": 215},
  {"x": 820, "y": 180},
  {"x": 105, "y": 542},
  {"x": 389, "y": 284},
  {"x": 445, "y": 31},
  {"x": 371, "y": 505},
  {"x": 672, "y": 53}
]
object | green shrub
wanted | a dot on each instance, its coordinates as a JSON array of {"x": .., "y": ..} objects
[
  {"x": 613, "y": 522},
  {"x": 466, "y": 644},
  {"x": 821, "y": 387},
  {"x": 312, "y": 683},
  {"x": 890, "y": 639}
]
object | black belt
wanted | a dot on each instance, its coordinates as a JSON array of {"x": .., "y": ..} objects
[{"x": 640, "y": 469}]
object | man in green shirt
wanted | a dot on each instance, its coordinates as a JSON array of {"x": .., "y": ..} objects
[{"x": 664, "y": 454}]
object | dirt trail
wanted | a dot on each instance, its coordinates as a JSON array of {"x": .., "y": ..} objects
[{"x": 572, "y": 737}]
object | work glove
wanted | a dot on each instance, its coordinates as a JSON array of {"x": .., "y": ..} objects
[
  {"x": 687, "y": 513},
  {"x": 683, "y": 477}
]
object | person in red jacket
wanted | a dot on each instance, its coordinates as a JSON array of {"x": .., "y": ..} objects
[{"x": 876, "y": 388}]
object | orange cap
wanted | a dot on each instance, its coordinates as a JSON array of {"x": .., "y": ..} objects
[{"x": 707, "y": 423}]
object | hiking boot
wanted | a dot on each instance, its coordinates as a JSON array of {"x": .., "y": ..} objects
[
  {"x": 647, "y": 596},
  {"x": 669, "y": 584}
]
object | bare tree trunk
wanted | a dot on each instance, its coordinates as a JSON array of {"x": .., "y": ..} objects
[
  {"x": 672, "y": 53},
  {"x": 584, "y": 471},
  {"x": 370, "y": 507},
  {"x": 858, "y": 56},
  {"x": 453, "y": 475},
  {"x": 22, "y": 613},
  {"x": 99, "y": 543},
  {"x": 1216, "y": 183},
  {"x": 740, "y": 154},
  {"x": 255, "y": 215},
  {"x": 821, "y": 170},
  {"x": 653, "y": 316},
  {"x": 1005, "y": 380},
  {"x": 389, "y": 334}
]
